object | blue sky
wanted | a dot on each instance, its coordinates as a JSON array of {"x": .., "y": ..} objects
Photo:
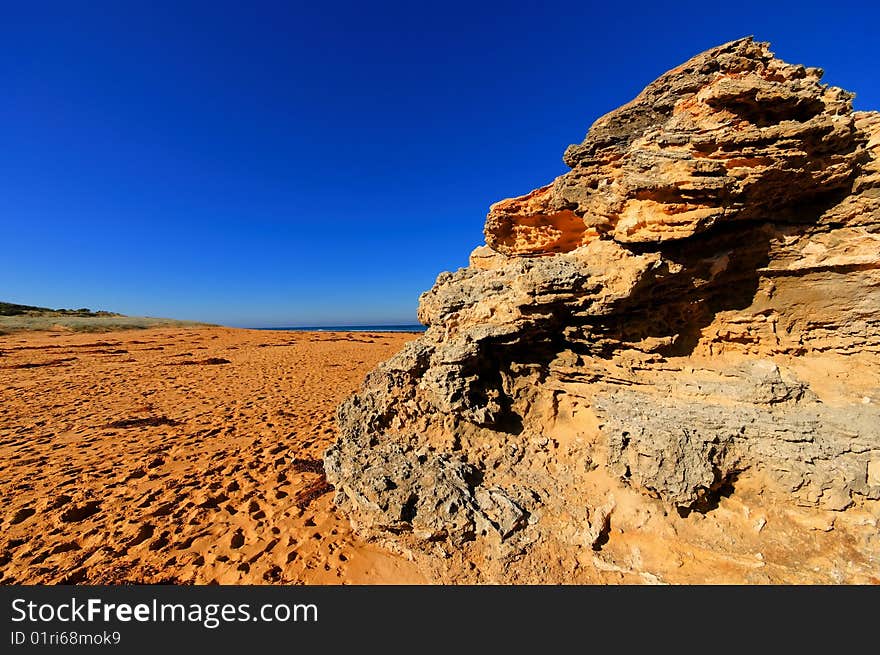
[{"x": 311, "y": 163}]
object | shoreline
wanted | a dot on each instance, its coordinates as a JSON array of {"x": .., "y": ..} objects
[
  {"x": 158, "y": 324},
  {"x": 391, "y": 329}
]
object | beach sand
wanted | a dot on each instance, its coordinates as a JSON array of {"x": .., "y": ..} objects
[{"x": 180, "y": 456}]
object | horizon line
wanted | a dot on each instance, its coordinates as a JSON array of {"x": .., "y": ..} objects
[{"x": 419, "y": 326}]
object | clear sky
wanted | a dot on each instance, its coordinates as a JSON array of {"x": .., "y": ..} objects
[{"x": 290, "y": 163}]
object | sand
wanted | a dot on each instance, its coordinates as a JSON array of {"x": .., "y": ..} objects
[{"x": 180, "y": 456}]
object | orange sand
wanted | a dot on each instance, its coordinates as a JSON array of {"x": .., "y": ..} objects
[{"x": 141, "y": 456}]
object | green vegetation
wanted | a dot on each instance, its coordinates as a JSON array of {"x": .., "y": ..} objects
[
  {"x": 11, "y": 309},
  {"x": 27, "y": 318}
]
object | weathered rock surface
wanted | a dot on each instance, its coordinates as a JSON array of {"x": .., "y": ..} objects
[{"x": 686, "y": 321}]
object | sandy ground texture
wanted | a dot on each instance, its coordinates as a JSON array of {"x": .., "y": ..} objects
[{"x": 181, "y": 456}]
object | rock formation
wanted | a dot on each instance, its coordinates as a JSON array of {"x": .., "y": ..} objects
[{"x": 688, "y": 319}]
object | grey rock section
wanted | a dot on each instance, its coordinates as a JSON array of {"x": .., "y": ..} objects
[
  {"x": 683, "y": 448},
  {"x": 404, "y": 489},
  {"x": 403, "y": 484}
]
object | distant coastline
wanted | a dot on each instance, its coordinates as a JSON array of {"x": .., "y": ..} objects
[
  {"x": 15, "y": 319},
  {"x": 414, "y": 327}
]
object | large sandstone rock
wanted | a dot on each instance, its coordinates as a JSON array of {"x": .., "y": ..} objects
[{"x": 687, "y": 319}]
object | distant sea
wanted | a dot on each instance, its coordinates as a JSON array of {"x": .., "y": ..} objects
[{"x": 416, "y": 327}]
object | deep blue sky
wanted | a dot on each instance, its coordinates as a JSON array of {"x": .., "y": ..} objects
[{"x": 317, "y": 163}]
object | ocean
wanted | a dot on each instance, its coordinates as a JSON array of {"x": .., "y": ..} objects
[{"x": 416, "y": 327}]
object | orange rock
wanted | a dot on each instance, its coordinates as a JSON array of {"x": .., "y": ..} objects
[{"x": 664, "y": 366}]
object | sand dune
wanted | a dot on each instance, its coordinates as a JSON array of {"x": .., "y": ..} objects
[{"x": 179, "y": 455}]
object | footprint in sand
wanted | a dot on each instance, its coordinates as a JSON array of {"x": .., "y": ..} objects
[
  {"x": 22, "y": 514},
  {"x": 65, "y": 548},
  {"x": 212, "y": 502},
  {"x": 161, "y": 542},
  {"x": 144, "y": 533},
  {"x": 62, "y": 500},
  {"x": 81, "y": 512}
]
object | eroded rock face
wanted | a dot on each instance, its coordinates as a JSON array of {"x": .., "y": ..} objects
[
  {"x": 693, "y": 309},
  {"x": 733, "y": 134}
]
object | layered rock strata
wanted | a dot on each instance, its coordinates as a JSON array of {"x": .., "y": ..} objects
[{"x": 692, "y": 309}]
